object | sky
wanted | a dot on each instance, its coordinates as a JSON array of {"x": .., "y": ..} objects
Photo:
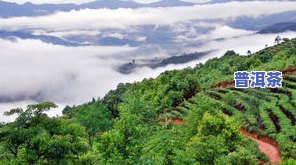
[{"x": 73, "y": 75}]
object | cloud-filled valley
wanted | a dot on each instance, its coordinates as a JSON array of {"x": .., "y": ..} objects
[{"x": 34, "y": 66}]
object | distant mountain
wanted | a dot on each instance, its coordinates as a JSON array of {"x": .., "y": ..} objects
[
  {"x": 257, "y": 24},
  {"x": 218, "y": 1},
  {"x": 110, "y": 4},
  {"x": 185, "y": 58},
  {"x": 9, "y": 9},
  {"x": 280, "y": 27},
  {"x": 129, "y": 67},
  {"x": 170, "y": 3},
  {"x": 44, "y": 38},
  {"x": 147, "y": 34}
]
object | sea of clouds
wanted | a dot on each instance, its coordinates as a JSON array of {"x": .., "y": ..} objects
[{"x": 32, "y": 70}]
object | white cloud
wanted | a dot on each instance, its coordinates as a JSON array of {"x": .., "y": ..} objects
[
  {"x": 72, "y": 75},
  {"x": 96, "y": 19},
  {"x": 30, "y": 66},
  {"x": 66, "y": 75},
  {"x": 242, "y": 44},
  {"x": 223, "y": 31}
]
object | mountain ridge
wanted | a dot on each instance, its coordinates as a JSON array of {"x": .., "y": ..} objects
[
  {"x": 11, "y": 9},
  {"x": 279, "y": 27}
]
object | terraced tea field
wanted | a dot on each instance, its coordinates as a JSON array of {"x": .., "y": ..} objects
[{"x": 265, "y": 112}]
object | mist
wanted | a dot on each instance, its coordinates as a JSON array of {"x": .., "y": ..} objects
[
  {"x": 98, "y": 19},
  {"x": 33, "y": 71}
]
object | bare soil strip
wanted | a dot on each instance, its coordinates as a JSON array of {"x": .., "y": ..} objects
[{"x": 266, "y": 145}]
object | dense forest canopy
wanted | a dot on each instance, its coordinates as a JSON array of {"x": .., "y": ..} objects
[{"x": 188, "y": 116}]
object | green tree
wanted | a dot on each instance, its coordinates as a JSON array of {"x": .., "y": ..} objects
[
  {"x": 218, "y": 135},
  {"x": 34, "y": 138},
  {"x": 96, "y": 119}
]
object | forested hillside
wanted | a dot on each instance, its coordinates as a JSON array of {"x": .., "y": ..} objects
[{"x": 189, "y": 116}]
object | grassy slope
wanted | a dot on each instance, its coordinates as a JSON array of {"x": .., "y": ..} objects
[{"x": 174, "y": 94}]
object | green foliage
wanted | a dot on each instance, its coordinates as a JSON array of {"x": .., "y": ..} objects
[
  {"x": 123, "y": 144},
  {"x": 114, "y": 98},
  {"x": 95, "y": 117},
  {"x": 35, "y": 138},
  {"x": 289, "y": 162},
  {"x": 218, "y": 136},
  {"x": 163, "y": 147},
  {"x": 177, "y": 118}
]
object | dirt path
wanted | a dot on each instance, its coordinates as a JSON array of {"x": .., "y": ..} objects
[{"x": 267, "y": 146}]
